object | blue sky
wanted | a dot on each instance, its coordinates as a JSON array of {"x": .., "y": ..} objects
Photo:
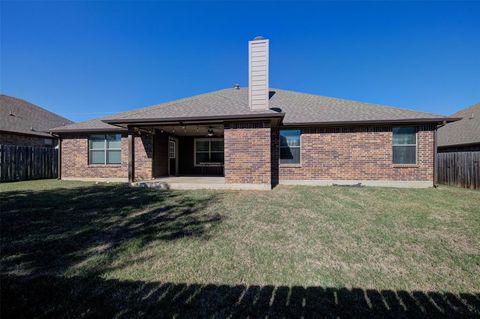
[{"x": 89, "y": 59}]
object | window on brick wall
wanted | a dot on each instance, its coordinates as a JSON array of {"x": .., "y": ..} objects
[
  {"x": 290, "y": 147},
  {"x": 104, "y": 149},
  {"x": 209, "y": 152},
  {"x": 404, "y": 145}
]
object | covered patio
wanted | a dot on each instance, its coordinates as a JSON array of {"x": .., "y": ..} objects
[
  {"x": 235, "y": 148},
  {"x": 186, "y": 155},
  {"x": 188, "y": 150},
  {"x": 180, "y": 150}
]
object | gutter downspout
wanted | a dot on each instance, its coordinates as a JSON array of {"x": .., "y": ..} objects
[
  {"x": 435, "y": 160},
  {"x": 59, "y": 164}
]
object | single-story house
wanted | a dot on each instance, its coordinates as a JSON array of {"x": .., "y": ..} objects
[
  {"x": 257, "y": 137},
  {"x": 463, "y": 135},
  {"x": 25, "y": 124}
]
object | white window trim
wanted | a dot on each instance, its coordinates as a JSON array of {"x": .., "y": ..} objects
[
  {"x": 217, "y": 164},
  {"x": 104, "y": 149},
  {"x": 416, "y": 146},
  {"x": 299, "y": 164}
]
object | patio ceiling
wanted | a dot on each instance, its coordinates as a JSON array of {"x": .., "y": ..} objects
[{"x": 191, "y": 130}]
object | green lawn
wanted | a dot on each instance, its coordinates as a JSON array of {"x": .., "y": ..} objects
[{"x": 73, "y": 249}]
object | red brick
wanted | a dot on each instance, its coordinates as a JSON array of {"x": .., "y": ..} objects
[
  {"x": 355, "y": 153},
  {"x": 247, "y": 153},
  {"x": 75, "y": 159}
]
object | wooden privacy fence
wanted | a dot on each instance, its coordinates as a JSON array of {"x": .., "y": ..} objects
[
  {"x": 459, "y": 169},
  {"x": 27, "y": 162}
]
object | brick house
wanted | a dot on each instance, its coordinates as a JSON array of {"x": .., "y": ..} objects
[
  {"x": 256, "y": 137},
  {"x": 25, "y": 124}
]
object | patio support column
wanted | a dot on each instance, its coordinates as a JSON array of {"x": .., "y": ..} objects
[{"x": 131, "y": 157}]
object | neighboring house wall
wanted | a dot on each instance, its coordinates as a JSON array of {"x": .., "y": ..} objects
[
  {"x": 355, "y": 153},
  {"x": 247, "y": 153},
  {"x": 75, "y": 159},
  {"x": 25, "y": 140}
]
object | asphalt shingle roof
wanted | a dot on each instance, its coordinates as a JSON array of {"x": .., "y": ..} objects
[
  {"x": 20, "y": 116},
  {"x": 299, "y": 108},
  {"x": 90, "y": 125},
  {"x": 465, "y": 131}
]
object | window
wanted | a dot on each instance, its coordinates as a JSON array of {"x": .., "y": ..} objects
[
  {"x": 290, "y": 147},
  {"x": 208, "y": 152},
  {"x": 404, "y": 145},
  {"x": 171, "y": 149},
  {"x": 104, "y": 149}
]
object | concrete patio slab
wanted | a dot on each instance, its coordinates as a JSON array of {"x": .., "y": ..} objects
[{"x": 197, "y": 182}]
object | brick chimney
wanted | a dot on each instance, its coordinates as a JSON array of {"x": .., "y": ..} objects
[{"x": 258, "y": 90}]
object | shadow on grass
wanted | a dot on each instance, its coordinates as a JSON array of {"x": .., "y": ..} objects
[
  {"x": 24, "y": 297},
  {"x": 48, "y": 232}
]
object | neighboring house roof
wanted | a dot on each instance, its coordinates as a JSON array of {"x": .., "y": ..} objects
[
  {"x": 19, "y": 116},
  {"x": 463, "y": 132},
  {"x": 295, "y": 108}
]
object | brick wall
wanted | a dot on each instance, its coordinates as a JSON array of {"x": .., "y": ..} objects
[
  {"x": 75, "y": 159},
  {"x": 143, "y": 157},
  {"x": 251, "y": 155},
  {"x": 355, "y": 153},
  {"x": 247, "y": 153},
  {"x": 25, "y": 140}
]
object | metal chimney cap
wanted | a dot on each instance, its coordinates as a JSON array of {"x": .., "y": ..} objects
[{"x": 259, "y": 37}]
